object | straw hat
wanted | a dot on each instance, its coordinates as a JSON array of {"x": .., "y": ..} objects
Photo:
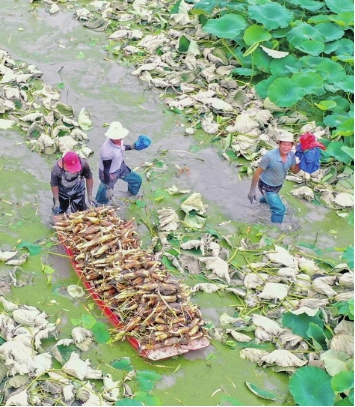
[{"x": 116, "y": 131}]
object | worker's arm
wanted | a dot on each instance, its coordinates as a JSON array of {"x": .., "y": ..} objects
[
  {"x": 254, "y": 183},
  {"x": 55, "y": 192},
  {"x": 89, "y": 187},
  {"x": 295, "y": 168},
  {"x": 107, "y": 166}
]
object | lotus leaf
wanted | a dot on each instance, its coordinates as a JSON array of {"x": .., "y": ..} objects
[
  {"x": 50, "y": 330},
  {"x": 225, "y": 319},
  {"x": 18, "y": 399},
  {"x": 77, "y": 367},
  {"x": 5, "y": 256},
  {"x": 283, "y": 358},
  {"x": 8, "y": 305},
  {"x": 256, "y": 33},
  {"x": 271, "y": 327},
  {"x": 344, "y": 200},
  {"x": 237, "y": 336},
  {"x": 322, "y": 285},
  {"x": 311, "y": 386},
  {"x": 336, "y": 361},
  {"x": 310, "y": 5},
  {"x": 274, "y": 53},
  {"x": 343, "y": 343},
  {"x": 284, "y": 92},
  {"x": 271, "y": 15},
  {"x": 262, "y": 336},
  {"x": 287, "y": 273},
  {"x": 218, "y": 266},
  {"x": 191, "y": 244},
  {"x": 255, "y": 280},
  {"x": 193, "y": 202},
  {"x": 228, "y": 26},
  {"x": 272, "y": 291},
  {"x": 338, "y": 6},
  {"x": 264, "y": 394},
  {"x": 282, "y": 256},
  {"x": 313, "y": 303},
  {"x": 307, "y": 265},
  {"x": 253, "y": 354},
  {"x": 287, "y": 337},
  {"x": 345, "y": 327},
  {"x": 303, "y": 192},
  {"x": 347, "y": 280},
  {"x": 205, "y": 287},
  {"x": 168, "y": 219}
]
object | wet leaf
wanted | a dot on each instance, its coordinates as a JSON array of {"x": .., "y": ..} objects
[
  {"x": 65, "y": 352},
  {"x": 311, "y": 386},
  {"x": 147, "y": 399},
  {"x": 123, "y": 364},
  {"x": 146, "y": 379},
  {"x": 76, "y": 291},
  {"x": 229, "y": 401},
  {"x": 100, "y": 332},
  {"x": 264, "y": 394},
  {"x": 342, "y": 382},
  {"x": 5, "y": 256},
  {"x": 88, "y": 321},
  {"x": 299, "y": 324},
  {"x": 31, "y": 247}
]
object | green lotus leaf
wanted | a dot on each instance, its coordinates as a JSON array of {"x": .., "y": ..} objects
[
  {"x": 233, "y": 6},
  {"x": 284, "y": 92},
  {"x": 345, "y": 58},
  {"x": 271, "y": 15},
  {"x": 329, "y": 70},
  {"x": 262, "y": 60},
  {"x": 340, "y": 47},
  {"x": 344, "y": 19},
  {"x": 319, "y": 18},
  {"x": 228, "y": 26},
  {"x": 303, "y": 32},
  {"x": 311, "y": 47},
  {"x": 342, "y": 104},
  {"x": 338, "y": 6},
  {"x": 311, "y": 386},
  {"x": 326, "y": 104},
  {"x": 346, "y": 129},
  {"x": 335, "y": 119},
  {"x": 342, "y": 381},
  {"x": 335, "y": 150},
  {"x": 310, "y": 82},
  {"x": 310, "y": 5},
  {"x": 285, "y": 66},
  {"x": 244, "y": 71},
  {"x": 205, "y": 5},
  {"x": 264, "y": 394},
  {"x": 263, "y": 86},
  {"x": 347, "y": 84},
  {"x": 319, "y": 339},
  {"x": 299, "y": 324},
  {"x": 256, "y": 33},
  {"x": 330, "y": 31}
]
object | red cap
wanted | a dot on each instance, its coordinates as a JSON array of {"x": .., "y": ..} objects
[{"x": 71, "y": 162}]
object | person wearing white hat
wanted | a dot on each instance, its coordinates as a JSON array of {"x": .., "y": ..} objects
[
  {"x": 112, "y": 166},
  {"x": 271, "y": 173}
]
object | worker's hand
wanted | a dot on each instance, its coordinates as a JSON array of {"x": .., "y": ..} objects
[
  {"x": 109, "y": 193},
  {"x": 252, "y": 195},
  {"x": 56, "y": 207},
  {"x": 92, "y": 201}
]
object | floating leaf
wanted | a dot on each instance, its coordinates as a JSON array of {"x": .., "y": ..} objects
[
  {"x": 299, "y": 324},
  {"x": 31, "y": 247},
  {"x": 264, "y": 394},
  {"x": 75, "y": 291},
  {"x": 146, "y": 379},
  {"x": 311, "y": 386},
  {"x": 123, "y": 364},
  {"x": 130, "y": 402},
  {"x": 100, "y": 332}
]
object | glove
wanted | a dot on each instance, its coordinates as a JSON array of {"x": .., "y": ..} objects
[
  {"x": 92, "y": 201},
  {"x": 57, "y": 210},
  {"x": 142, "y": 142},
  {"x": 56, "y": 207},
  {"x": 109, "y": 193},
  {"x": 252, "y": 195}
]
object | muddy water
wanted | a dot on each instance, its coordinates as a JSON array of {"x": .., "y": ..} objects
[{"x": 67, "y": 53}]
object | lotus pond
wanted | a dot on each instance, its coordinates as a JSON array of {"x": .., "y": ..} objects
[{"x": 278, "y": 305}]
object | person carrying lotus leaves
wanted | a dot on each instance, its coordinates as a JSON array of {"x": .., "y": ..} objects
[
  {"x": 271, "y": 173},
  {"x": 69, "y": 176},
  {"x": 112, "y": 166}
]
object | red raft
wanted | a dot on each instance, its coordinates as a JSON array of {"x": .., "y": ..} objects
[{"x": 154, "y": 352}]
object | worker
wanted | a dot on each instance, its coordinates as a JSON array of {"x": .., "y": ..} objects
[
  {"x": 112, "y": 166},
  {"x": 68, "y": 185},
  {"x": 271, "y": 173}
]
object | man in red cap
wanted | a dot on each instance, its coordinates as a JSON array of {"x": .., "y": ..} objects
[{"x": 68, "y": 185}]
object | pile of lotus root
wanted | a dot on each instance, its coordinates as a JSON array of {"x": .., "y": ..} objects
[{"x": 152, "y": 305}]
